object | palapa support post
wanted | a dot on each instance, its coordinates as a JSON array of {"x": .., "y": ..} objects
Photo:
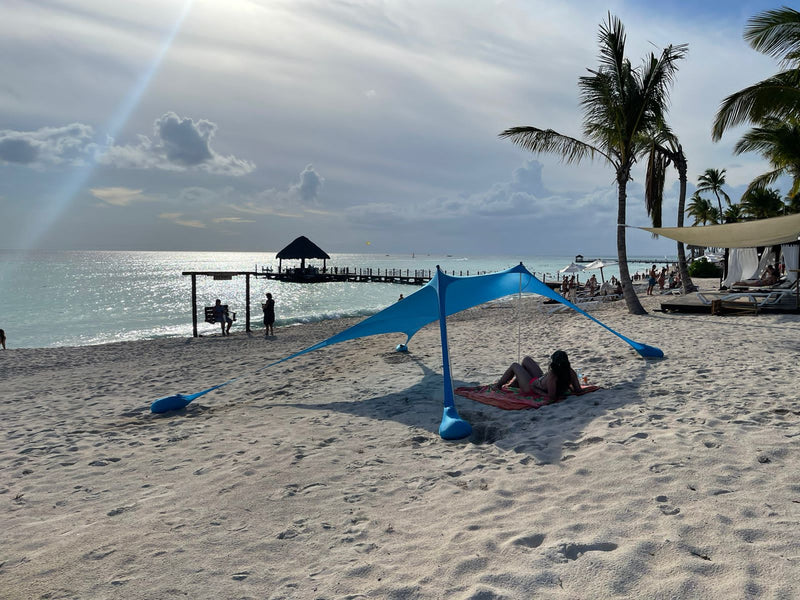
[{"x": 194, "y": 305}]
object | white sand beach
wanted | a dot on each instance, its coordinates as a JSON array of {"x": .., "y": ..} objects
[{"x": 324, "y": 477}]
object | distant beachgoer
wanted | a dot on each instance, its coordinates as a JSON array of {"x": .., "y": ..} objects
[
  {"x": 662, "y": 278},
  {"x": 770, "y": 277},
  {"x": 530, "y": 378},
  {"x": 269, "y": 315},
  {"x": 3, "y": 339},
  {"x": 651, "y": 280},
  {"x": 400, "y": 298},
  {"x": 591, "y": 285},
  {"x": 221, "y": 316},
  {"x": 573, "y": 291}
]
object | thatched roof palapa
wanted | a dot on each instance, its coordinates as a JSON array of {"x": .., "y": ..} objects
[{"x": 302, "y": 248}]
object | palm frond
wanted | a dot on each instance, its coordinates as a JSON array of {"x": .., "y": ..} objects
[
  {"x": 612, "y": 47},
  {"x": 776, "y": 33},
  {"x": 657, "y": 165},
  {"x": 777, "y": 96},
  {"x": 571, "y": 150},
  {"x": 652, "y": 86},
  {"x": 762, "y": 181}
]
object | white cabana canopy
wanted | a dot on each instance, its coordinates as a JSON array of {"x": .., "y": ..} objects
[{"x": 764, "y": 232}]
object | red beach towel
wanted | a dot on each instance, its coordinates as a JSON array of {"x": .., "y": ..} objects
[{"x": 510, "y": 398}]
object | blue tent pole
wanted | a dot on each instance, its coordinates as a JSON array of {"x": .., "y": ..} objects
[{"x": 452, "y": 426}]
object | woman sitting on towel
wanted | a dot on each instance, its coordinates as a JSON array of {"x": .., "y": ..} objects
[{"x": 530, "y": 378}]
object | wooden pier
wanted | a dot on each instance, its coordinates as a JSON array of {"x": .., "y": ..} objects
[{"x": 330, "y": 274}]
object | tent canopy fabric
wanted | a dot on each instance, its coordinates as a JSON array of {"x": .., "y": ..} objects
[
  {"x": 421, "y": 308},
  {"x": 302, "y": 248},
  {"x": 445, "y": 295},
  {"x": 764, "y": 232}
]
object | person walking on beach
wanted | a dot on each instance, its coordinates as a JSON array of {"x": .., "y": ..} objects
[
  {"x": 651, "y": 280},
  {"x": 3, "y": 339},
  {"x": 221, "y": 316},
  {"x": 269, "y": 315}
]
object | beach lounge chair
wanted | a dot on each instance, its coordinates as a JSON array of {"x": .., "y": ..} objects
[
  {"x": 783, "y": 284},
  {"x": 746, "y": 301}
]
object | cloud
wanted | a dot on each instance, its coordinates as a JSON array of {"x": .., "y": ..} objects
[
  {"x": 178, "y": 219},
  {"x": 178, "y": 144},
  {"x": 232, "y": 220},
  {"x": 309, "y": 186},
  {"x": 118, "y": 196},
  {"x": 298, "y": 199},
  {"x": 523, "y": 197},
  {"x": 71, "y": 144}
]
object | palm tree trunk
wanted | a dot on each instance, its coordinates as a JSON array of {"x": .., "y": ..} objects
[
  {"x": 631, "y": 299},
  {"x": 683, "y": 268}
]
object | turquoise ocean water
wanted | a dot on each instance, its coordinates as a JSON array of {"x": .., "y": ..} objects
[{"x": 80, "y": 298}]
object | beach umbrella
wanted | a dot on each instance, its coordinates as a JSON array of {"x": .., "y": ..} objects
[
  {"x": 599, "y": 264},
  {"x": 572, "y": 268}
]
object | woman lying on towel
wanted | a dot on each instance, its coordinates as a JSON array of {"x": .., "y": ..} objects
[
  {"x": 530, "y": 378},
  {"x": 770, "y": 277}
]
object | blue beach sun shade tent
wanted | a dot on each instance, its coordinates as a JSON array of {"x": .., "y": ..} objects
[{"x": 445, "y": 295}]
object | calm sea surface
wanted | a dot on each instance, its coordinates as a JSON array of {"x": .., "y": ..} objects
[{"x": 81, "y": 298}]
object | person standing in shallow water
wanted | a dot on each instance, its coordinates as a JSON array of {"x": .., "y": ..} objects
[
  {"x": 3, "y": 339},
  {"x": 269, "y": 315}
]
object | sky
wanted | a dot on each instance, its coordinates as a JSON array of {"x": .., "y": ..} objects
[{"x": 367, "y": 126}]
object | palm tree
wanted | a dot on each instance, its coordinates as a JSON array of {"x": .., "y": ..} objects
[
  {"x": 733, "y": 214},
  {"x": 775, "y": 33},
  {"x": 792, "y": 204},
  {"x": 700, "y": 210},
  {"x": 666, "y": 150},
  {"x": 712, "y": 181},
  {"x": 762, "y": 203},
  {"x": 778, "y": 141},
  {"x": 622, "y": 107}
]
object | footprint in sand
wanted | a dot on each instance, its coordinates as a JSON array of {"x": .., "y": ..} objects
[
  {"x": 119, "y": 511},
  {"x": 665, "y": 508},
  {"x": 99, "y": 553},
  {"x": 662, "y": 467},
  {"x": 529, "y": 541},
  {"x": 635, "y": 437},
  {"x": 571, "y": 551}
]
